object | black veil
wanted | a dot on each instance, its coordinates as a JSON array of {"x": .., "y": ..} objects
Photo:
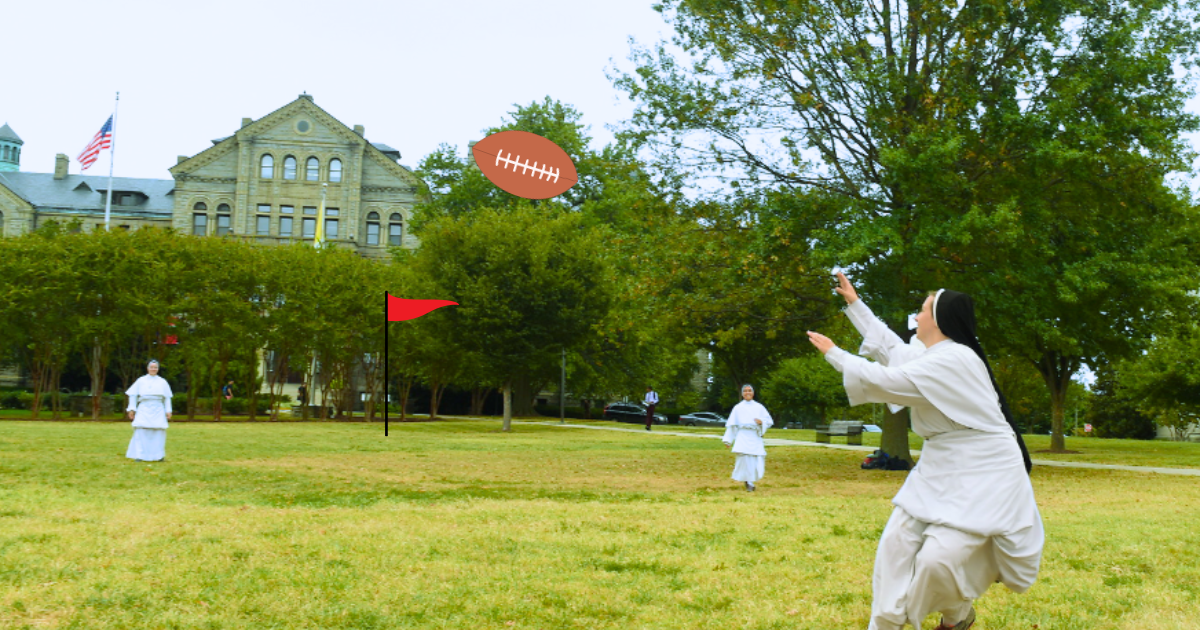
[{"x": 954, "y": 314}]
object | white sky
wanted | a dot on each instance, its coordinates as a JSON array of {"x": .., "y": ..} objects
[{"x": 415, "y": 74}]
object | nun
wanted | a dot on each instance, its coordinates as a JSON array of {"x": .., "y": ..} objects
[
  {"x": 744, "y": 431},
  {"x": 149, "y": 408},
  {"x": 966, "y": 515}
]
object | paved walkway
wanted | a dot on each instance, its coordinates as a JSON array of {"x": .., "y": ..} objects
[{"x": 1192, "y": 472}]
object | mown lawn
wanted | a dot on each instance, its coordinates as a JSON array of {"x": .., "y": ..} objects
[{"x": 457, "y": 525}]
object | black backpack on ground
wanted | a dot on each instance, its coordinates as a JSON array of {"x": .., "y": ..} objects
[{"x": 880, "y": 460}]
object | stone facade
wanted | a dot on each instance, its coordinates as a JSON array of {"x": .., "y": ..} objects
[{"x": 264, "y": 182}]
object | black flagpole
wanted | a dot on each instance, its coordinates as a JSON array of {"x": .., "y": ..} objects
[{"x": 386, "y": 380}]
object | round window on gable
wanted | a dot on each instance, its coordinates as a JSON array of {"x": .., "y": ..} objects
[{"x": 303, "y": 126}]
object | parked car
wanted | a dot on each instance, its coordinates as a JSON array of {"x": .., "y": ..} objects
[
  {"x": 630, "y": 412},
  {"x": 702, "y": 419}
]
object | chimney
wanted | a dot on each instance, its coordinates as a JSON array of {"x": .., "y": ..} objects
[
  {"x": 60, "y": 166},
  {"x": 359, "y": 129},
  {"x": 181, "y": 159},
  {"x": 471, "y": 154},
  {"x": 247, "y": 121}
]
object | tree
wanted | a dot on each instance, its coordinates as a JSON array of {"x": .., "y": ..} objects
[
  {"x": 805, "y": 387},
  {"x": 526, "y": 283},
  {"x": 36, "y": 315},
  {"x": 1165, "y": 381},
  {"x": 933, "y": 130}
]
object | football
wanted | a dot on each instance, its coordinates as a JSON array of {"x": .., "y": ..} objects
[{"x": 525, "y": 164}]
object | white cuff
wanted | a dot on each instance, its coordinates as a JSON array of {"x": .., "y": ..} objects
[{"x": 836, "y": 357}]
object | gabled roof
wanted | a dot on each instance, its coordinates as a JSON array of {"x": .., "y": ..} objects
[
  {"x": 386, "y": 150},
  {"x": 6, "y": 133},
  {"x": 88, "y": 192},
  {"x": 221, "y": 146}
]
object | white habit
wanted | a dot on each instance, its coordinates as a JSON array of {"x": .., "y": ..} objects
[
  {"x": 966, "y": 516},
  {"x": 150, "y": 400},
  {"x": 746, "y": 436}
]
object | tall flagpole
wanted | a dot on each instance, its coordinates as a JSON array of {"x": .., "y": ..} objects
[
  {"x": 319, "y": 233},
  {"x": 112, "y": 158},
  {"x": 318, "y": 237}
]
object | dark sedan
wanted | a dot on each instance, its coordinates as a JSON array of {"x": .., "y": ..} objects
[
  {"x": 630, "y": 412},
  {"x": 702, "y": 419}
]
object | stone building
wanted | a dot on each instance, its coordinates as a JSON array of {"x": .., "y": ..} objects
[{"x": 264, "y": 182}]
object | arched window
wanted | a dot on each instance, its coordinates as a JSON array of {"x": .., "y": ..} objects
[
  {"x": 4, "y": 156},
  {"x": 335, "y": 170},
  {"x": 289, "y": 167},
  {"x": 395, "y": 229},
  {"x": 200, "y": 207},
  {"x": 200, "y": 220},
  {"x": 312, "y": 168},
  {"x": 224, "y": 221},
  {"x": 373, "y": 228},
  {"x": 268, "y": 167}
]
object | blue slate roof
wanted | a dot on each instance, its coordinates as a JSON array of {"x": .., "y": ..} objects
[{"x": 85, "y": 193}]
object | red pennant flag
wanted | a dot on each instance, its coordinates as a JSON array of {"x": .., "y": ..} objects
[{"x": 399, "y": 310}]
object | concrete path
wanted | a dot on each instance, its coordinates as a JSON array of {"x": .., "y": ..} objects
[{"x": 660, "y": 430}]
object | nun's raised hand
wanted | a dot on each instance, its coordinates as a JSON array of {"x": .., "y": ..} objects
[
  {"x": 822, "y": 343},
  {"x": 845, "y": 289}
]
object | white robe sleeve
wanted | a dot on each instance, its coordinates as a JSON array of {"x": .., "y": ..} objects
[
  {"x": 767, "y": 420},
  {"x": 879, "y": 342},
  {"x": 131, "y": 394},
  {"x": 872, "y": 382}
]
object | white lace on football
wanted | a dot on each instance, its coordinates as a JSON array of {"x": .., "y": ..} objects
[{"x": 547, "y": 172}]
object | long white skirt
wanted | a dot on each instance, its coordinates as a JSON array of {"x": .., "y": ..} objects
[
  {"x": 749, "y": 468},
  {"x": 147, "y": 445},
  {"x": 922, "y": 568}
]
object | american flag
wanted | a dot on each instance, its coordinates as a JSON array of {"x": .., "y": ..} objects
[{"x": 103, "y": 140}]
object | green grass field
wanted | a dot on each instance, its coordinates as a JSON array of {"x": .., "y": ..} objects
[{"x": 457, "y": 525}]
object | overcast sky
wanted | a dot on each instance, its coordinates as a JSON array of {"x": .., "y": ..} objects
[{"x": 415, "y": 74}]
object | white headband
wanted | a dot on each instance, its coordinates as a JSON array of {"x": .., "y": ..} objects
[{"x": 934, "y": 307}]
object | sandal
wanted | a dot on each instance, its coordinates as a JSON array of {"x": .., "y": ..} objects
[{"x": 965, "y": 624}]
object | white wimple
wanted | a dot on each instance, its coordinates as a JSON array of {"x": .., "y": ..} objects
[{"x": 550, "y": 173}]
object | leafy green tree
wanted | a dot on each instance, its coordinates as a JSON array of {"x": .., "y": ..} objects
[
  {"x": 526, "y": 283},
  {"x": 805, "y": 387},
  {"x": 736, "y": 279},
  {"x": 1165, "y": 381},
  {"x": 36, "y": 315},
  {"x": 956, "y": 144},
  {"x": 1115, "y": 412}
]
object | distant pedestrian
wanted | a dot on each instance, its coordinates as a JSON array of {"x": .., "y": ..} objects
[
  {"x": 744, "y": 431},
  {"x": 651, "y": 401},
  {"x": 303, "y": 395},
  {"x": 149, "y": 408},
  {"x": 227, "y": 390}
]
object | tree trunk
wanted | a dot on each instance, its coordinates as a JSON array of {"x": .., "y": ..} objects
[
  {"x": 435, "y": 398},
  {"x": 478, "y": 399},
  {"x": 1056, "y": 371},
  {"x": 191, "y": 393},
  {"x": 507, "y": 407},
  {"x": 894, "y": 440},
  {"x": 55, "y": 393},
  {"x": 405, "y": 390},
  {"x": 587, "y": 407},
  {"x": 523, "y": 392}
]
